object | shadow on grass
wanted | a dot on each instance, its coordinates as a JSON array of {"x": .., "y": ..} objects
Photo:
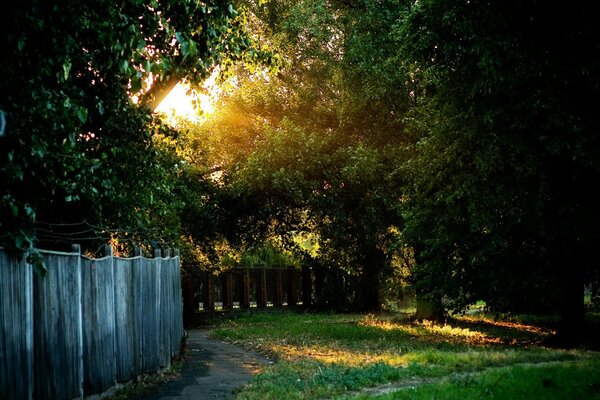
[{"x": 528, "y": 331}]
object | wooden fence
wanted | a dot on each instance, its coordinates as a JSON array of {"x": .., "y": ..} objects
[
  {"x": 88, "y": 324},
  {"x": 261, "y": 288},
  {"x": 243, "y": 288}
]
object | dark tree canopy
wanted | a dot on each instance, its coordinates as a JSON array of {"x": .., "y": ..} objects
[{"x": 502, "y": 205}]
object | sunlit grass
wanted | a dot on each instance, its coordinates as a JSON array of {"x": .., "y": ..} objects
[
  {"x": 521, "y": 326},
  {"x": 327, "y": 355},
  {"x": 432, "y": 331}
]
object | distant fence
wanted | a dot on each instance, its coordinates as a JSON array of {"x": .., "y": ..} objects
[
  {"x": 243, "y": 288},
  {"x": 88, "y": 324},
  {"x": 261, "y": 288}
]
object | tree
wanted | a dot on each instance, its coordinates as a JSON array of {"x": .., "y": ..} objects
[
  {"x": 501, "y": 206},
  {"x": 76, "y": 146},
  {"x": 315, "y": 149}
]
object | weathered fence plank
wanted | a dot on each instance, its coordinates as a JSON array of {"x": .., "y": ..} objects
[
  {"x": 165, "y": 308},
  {"x": 149, "y": 314},
  {"x": 137, "y": 283},
  {"x": 99, "y": 329},
  {"x": 16, "y": 328},
  {"x": 125, "y": 321},
  {"x": 58, "y": 337},
  {"x": 177, "y": 331}
]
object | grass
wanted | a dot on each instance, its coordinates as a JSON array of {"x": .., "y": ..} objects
[
  {"x": 347, "y": 355},
  {"x": 567, "y": 380},
  {"x": 149, "y": 383}
]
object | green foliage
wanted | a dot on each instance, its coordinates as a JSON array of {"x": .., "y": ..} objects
[
  {"x": 500, "y": 206},
  {"x": 76, "y": 147},
  {"x": 268, "y": 256}
]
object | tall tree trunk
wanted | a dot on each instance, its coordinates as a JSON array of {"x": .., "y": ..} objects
[
  {"x": 572, "y": 309},
  {"x": 369, "y": 296},
  {"x": 369, "y": 299}
]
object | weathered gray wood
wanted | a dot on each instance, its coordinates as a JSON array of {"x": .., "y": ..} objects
[
  {"x": 87, "y": 325},
  {"x": 177, "y": 318},
  {"x": 125, "y": 319},
  {"x": 149, "y": 308},
  {"x": 164, "y": 312},
  {"x": 58, "y": 334},
  {"x": 138, "y": 319},
  {"x": 16, "y": 328},
  {"x": 99, "y": 330}
]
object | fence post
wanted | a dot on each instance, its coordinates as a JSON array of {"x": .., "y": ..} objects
[
  {"x": 261, "y": 288},
  {"x": 209, "y": 292},
  {"x": 245, "y": 300},
  {"x": 177, "y": 334},
  {"x": 306, "y": 286},
  {"x": 319, "y": 274},
  {"x": 227, "y": 289},
  {"x": 278, "y": 286},
  {"x": 292, "y": 299}
]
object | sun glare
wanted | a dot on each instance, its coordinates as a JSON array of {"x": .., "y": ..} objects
[
  {"x": 192, "y": 105},
  {"x": 179, "y": 104}
]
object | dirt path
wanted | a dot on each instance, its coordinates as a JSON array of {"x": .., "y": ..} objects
[{"x": 214, "y": 370}]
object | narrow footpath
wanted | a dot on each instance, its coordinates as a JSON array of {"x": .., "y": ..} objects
[{"x": 214, "y": 370}]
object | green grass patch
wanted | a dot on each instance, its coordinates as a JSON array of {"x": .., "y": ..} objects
[
  {"x": 334, "y": 355},
  {"x": 567, "y": 380}
]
